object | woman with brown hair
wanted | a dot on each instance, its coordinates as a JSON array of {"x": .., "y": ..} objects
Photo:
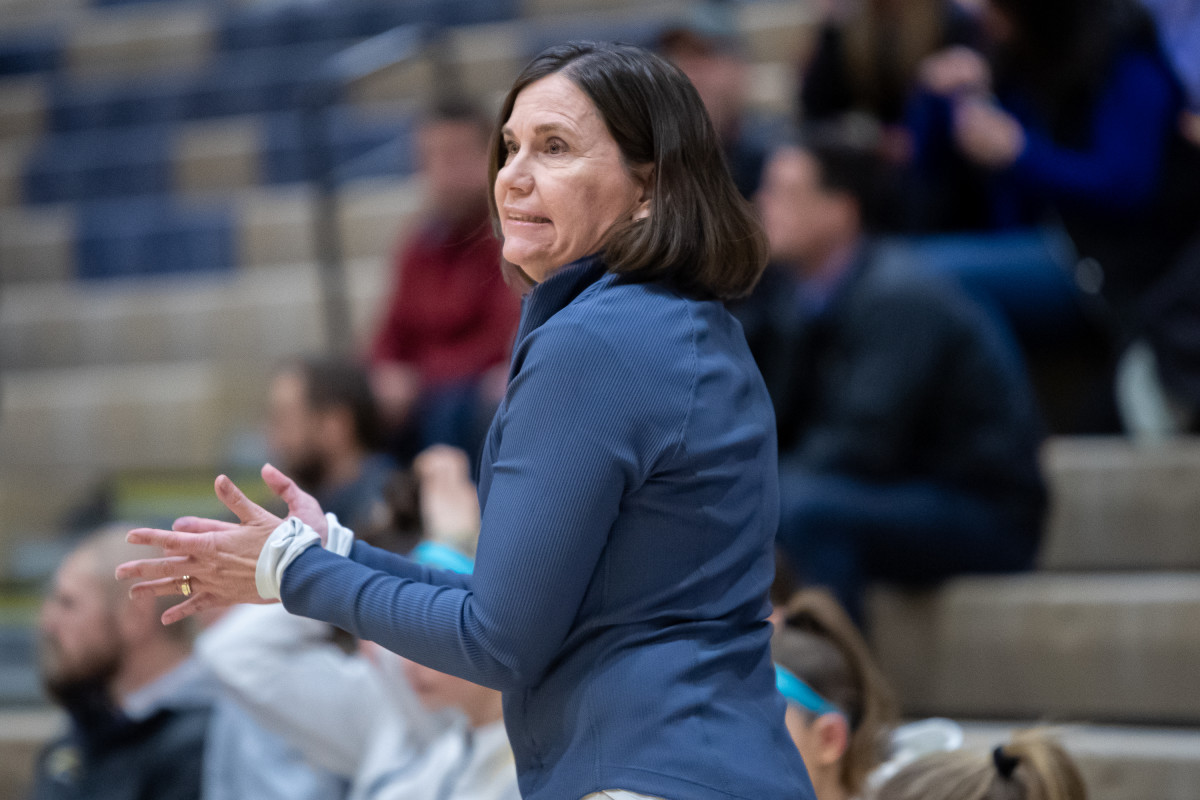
[
  {"x": 840, "y": 709},
  {"x": 628, "y": 485},
  {"x": 1032, "y": 767}
]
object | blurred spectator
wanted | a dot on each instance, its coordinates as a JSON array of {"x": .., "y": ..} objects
[
  {"x": 440, "y": 356},
  {"x": 706, "y": 45},
  {"x": 372, "y": 716},
  {"x": 145, "y": 718},
  {"x": 1032, "y": 767},
  {"x": 1073, "y": 114},
  {"x": 868, "y": 55},
  {"x": 866, "y": 62},
  {"x": 323, "y": 427},
  {"x": 840, "y": 709},
  {"x": 908, "y": 435}
]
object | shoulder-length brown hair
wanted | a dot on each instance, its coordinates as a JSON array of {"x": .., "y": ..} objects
[{"x": 701, "y": 236}]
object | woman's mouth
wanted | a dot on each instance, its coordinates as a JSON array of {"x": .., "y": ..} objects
[{"x": 527, "y": 218}]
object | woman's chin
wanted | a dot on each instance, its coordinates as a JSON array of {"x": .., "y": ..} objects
[{"x": 534, "y": 267}]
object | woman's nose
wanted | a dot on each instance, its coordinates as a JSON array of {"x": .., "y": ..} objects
[{"x": 516, "y": 175}]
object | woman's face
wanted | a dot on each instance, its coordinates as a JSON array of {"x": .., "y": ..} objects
[{"x": 564, "y": 182}]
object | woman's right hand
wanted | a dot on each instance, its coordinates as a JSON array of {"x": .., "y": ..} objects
[
  {"x": 217, "y": 559},
  {"x": 301, "y": 505}
]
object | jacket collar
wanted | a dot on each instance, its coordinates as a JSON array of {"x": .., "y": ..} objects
[{"x": 557, "y": 291}]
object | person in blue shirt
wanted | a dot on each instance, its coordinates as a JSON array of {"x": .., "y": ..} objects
[
  {"x": 628, "y": 484},
  {"x": 1071, "y": 116}
]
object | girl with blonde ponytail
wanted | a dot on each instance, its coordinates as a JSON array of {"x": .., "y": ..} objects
[{"x": 1032, "y": 767}]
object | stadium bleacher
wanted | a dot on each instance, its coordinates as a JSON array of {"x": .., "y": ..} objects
[{"x": 156, "y": 257}]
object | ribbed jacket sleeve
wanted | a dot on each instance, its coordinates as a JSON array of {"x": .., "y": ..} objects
[{"x": 558, "y": 477}]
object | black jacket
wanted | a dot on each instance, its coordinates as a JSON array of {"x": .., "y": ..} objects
[
  {"x": 156, "y": 758},
  {"x": 899, "y": 378}
]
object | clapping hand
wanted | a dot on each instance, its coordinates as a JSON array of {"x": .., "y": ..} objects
[{"x": 212, "y": 562}]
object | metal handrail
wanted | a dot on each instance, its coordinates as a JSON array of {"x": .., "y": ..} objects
[{"x": 395, "y": 47}]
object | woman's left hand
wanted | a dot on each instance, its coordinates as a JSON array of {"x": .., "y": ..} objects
[
  {"x": 988, "y": 135},
  {"x": 218, "y": 559}
]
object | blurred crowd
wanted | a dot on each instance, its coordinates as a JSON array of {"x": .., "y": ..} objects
[{"x": 984, "y": 227}]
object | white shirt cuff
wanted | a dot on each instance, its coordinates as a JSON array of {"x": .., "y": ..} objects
[
  {"x": 340, "y": 538},
  {"x": 285, "y": 543}
]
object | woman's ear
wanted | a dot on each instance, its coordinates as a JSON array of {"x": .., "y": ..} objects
[{"x": 644, "y": 174}]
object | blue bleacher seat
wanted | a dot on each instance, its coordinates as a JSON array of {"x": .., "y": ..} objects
[
  {"x": 152, "y": 235},
  {"x": 99, "y": 164},
  {"x": 31, "y": 51},
  {"x": 257, "y": 81},
  {"x": 642, "y": 32},
  {"x": 259, "y": 27},
  {"x": 472, "y": 12},
  {"x": 359, "y": 146},
  {"x": 88, "y": 105}
]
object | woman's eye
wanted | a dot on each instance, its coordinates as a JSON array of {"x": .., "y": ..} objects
[
  {"x": 510, "y": 149},
  {"x": 556, "y": 146}
]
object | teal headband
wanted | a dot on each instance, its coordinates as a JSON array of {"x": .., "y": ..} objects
[
  {"x": 433, "y": 554},
  {"x": 797, "y": 691}
]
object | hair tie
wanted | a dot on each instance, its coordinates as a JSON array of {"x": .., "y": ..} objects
[{"x": 1005, "y": 764}]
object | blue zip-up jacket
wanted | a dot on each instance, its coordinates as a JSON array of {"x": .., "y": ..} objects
[{"x": 630, "y": 497}]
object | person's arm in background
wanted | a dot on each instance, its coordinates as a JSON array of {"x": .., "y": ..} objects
[
  {"x": 1121, "y": 167},
  {"x": 557, "y": 483},
  {"x": 394, "y": 380},
  {"x": 289, "y": 675}
]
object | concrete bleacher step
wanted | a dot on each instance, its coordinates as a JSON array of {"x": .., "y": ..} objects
[
  {"x": 17, "y": 14},
  {"x": 35, "y": 503},
  {"x": 1118, "y": 763},
  {"x": 37, "y": 244},
  {"x": 14, "y": 154},
  {"x": 256, "y": 316},
  {"x": 142, "y": 415},
  {"x": 23, "y": 107},
  {"x": 1093, "y": 647},
  {"x": 271, "y": 226},
  {"x": 138, "y": 39},
  {"x": 1120, "y": 506}
]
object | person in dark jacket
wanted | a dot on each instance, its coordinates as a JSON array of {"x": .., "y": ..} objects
[
  {"x": 146, "y": 720},
  {"x": 1071, "y": 115},
  {"x": 908, "y": 433},
  {"x": 136, "y": 730}
]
